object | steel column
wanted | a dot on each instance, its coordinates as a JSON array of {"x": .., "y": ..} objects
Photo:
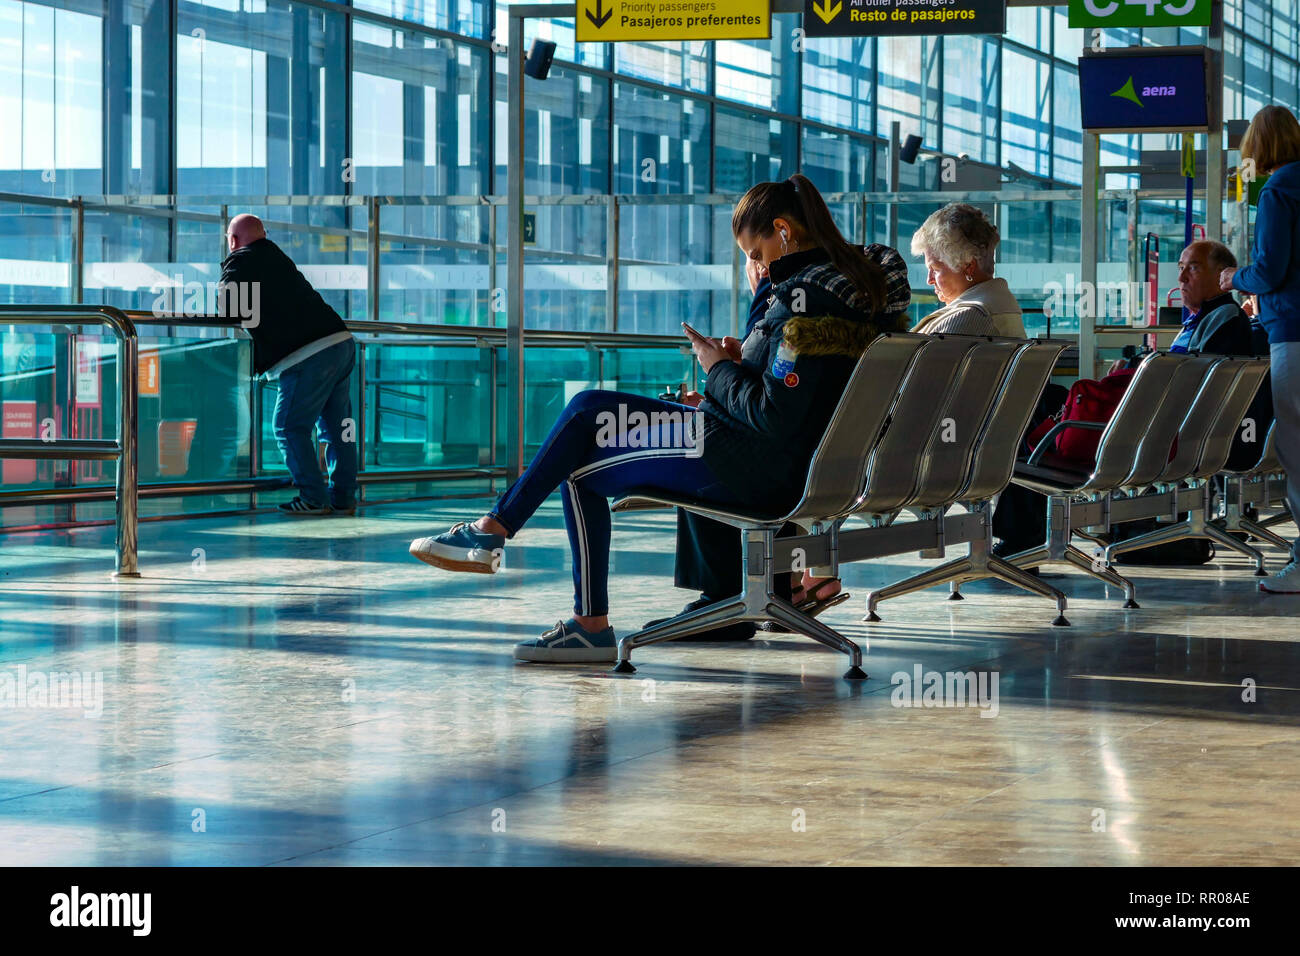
[{"x": 515, "y": 250}]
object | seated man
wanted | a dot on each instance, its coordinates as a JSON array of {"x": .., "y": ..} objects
[{"x": 1215, "y": 324}]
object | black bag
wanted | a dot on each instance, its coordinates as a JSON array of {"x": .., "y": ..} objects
[{"x": 1187, "y": 552}]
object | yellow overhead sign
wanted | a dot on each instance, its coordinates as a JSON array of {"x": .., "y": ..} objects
[{"x": 602, "y": 21}]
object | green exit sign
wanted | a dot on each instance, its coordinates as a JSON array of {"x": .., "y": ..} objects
[{"x": 1140, "y": 13}]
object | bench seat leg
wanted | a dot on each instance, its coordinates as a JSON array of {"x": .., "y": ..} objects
[
  {"x": 975, "y": 566},
  {"x": 1083, "y": 562},
  {"x": 756, "y": 602},
  {"x": 1008, "y": 572},
  {"x": 800, "y": 623},
  {"x": 952, "y": 571},
  {"x": 1194, "y": 527},
  {"x": 1263, "y": 534},
  {"x": 1222, "y": 538},
  {"x": 702, "y": 619}
]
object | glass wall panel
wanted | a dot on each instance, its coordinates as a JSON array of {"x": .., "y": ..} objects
[
  {"x": 751, "y": 149},
  {"x": 1026, "y": 113},
  {"x": 466, "y": 17},
  {"x": 260, "y": 99},
  {"x": 908, "y": 86},
  {"x": 836, "y": 162},
  {"x": 566, "y": 133},
  {"x": 970, "y": 98},
  {"x": 839, "y": 81},
  {"x": 35, "y": 253},
  {"x": 51, "y": 98},
  {"x": 671, "y": 64},
  {"x": 763, "y": 73}
]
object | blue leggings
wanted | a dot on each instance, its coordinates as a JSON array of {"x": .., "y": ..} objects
[{"x": 604, "y": 445}]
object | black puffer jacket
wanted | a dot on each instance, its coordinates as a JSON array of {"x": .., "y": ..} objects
[
  {"x": 291, "y": 313},
  {"x": 764, "y": 415}
]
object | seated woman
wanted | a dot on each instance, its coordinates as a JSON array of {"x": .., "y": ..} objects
[
  {"x": 958, "y": 243},
  {"x": 768, "y": 400}
]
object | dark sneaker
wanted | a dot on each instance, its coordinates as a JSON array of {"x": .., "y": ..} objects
[
  {"x": 304, "y": 508},
  {"x": 568, "y": 643},
  {"x": 461, "y": 549}
]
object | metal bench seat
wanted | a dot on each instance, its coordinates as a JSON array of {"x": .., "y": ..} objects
[
  {"x": 904, "y": 434},
  {"x": 1260, "y": 485},
  {"x": 1204, "y": 443}
]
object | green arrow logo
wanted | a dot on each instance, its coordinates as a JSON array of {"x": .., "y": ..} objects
[{"x": 1126, "y": 92}]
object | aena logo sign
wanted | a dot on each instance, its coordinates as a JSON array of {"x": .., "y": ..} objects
[{"x": 1127, "y": 92}]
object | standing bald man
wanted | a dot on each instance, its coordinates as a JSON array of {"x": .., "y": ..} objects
[{"x": 301, "y": 342}]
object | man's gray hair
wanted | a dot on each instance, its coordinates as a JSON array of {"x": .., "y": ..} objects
[{"x": 955, "y": 235}]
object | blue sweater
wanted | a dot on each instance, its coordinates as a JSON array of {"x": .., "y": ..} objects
[{"x": 1274, "y": 271}]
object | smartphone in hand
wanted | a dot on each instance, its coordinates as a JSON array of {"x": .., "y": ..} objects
[{"x": 694, "y": 332}]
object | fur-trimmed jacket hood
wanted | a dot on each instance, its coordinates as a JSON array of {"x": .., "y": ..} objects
[{"x": 772, "y": 407}]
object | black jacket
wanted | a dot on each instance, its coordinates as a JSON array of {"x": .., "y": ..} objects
[
  {"x": 1225, "y": 329},
  {"x": 289, "y": 314},
  {"x": 765, "y": 415}
]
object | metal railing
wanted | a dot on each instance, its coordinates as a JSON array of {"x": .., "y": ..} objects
[
  {"x": 127, "y": 489},
  {"x": 125, "y": 448}
]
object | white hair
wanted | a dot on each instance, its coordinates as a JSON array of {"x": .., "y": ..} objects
[{"x": 957, "y": 234}]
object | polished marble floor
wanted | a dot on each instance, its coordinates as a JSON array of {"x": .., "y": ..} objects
[{"x": 301, "y": 692}]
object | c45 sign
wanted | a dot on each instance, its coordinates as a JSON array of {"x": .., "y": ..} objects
[{"x": 1140, "y": 13}]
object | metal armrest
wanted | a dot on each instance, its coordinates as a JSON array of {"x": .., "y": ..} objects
[
  {"x": 1045, "y": 442},
  {"x": 634, "y": 503},
  {"x": 735, "y": 519}
]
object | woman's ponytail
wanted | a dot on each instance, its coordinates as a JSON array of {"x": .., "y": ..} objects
[
  {"x": 797, "y": 199},
  {"x": 817, "y": 222}
]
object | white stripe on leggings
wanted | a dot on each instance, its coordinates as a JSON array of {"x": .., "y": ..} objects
[
  {"x": 630, "y": 456},
  {"x": 584, "y": 550},
  {"x": 580, "y": 527}
]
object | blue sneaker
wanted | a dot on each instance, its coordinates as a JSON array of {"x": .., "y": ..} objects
[
  {"x": 568, "y": 643},
  {"x": 461, "y": 549}
]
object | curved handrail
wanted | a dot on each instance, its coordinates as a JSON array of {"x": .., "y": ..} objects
[
  {"x": 128, "y": 419},
  {"x": 430, "y": 330}
]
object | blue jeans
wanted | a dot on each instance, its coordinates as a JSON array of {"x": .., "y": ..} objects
[
  {"x": 591, "y": 457},
  {"x": 1285, "y": 365},
  {"x": 317, "y": 392}
]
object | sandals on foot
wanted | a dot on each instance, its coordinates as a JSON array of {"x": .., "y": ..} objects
[{"x": 809, "y": 603}]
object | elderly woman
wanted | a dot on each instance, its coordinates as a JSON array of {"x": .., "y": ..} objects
[{"x": 958, "y": 243}]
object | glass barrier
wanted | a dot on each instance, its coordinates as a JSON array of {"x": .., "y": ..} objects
[
  {"x": 441, "y": 259},
  {"x": 429, "y": 405},
  {"x": 440, "y": 402}
]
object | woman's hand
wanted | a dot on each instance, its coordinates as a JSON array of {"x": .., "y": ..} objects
[
  {"x": 709, "y": 351},
  {"x": 1225, "y": 279},
  {"x": 692, "y": 398},
  {"x": 732, "y": 347}
]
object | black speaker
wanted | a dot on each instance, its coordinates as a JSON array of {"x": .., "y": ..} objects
[
  {"x": 540, "y": 55},
  {"x": 911, "y": 146}
]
